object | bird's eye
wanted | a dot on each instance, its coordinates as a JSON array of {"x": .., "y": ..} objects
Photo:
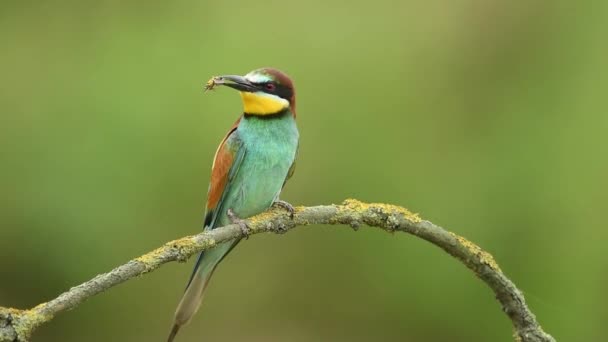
[{"x": 270, "y": 86}]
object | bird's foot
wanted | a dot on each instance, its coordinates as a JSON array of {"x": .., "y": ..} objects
[
  {"x": 242, "y": 224},
  {"x": 286, "y": 206}
]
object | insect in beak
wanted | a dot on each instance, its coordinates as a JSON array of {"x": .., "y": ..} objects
[{"x": 211, "y": 83}]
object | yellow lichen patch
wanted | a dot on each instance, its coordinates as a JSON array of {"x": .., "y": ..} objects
[
  {"x": 37, "y": 318},
  {"x": 516, "y": 335},
  {"x": 258, "y": 219},
  {"x": 354, "y": 204},
  {"x": 151, "y": 259},
  {"x": 30, "y": 320},
  {"x": 483, "y": 256},
  {"x": 188, "y": 244},
  {"x": 39, "y": 307},
  {"x": 181, "y": 243},
  {"x": 359, "y": 206},
  {"x": 11, "y": 311}
]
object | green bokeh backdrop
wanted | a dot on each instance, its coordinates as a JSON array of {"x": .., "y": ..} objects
[{"x": 486, "y": 117}]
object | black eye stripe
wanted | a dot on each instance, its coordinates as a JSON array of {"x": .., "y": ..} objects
[{"x": 279, "y": 90}]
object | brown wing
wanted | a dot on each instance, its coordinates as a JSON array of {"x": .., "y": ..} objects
[{"x": 226, "y": 162}]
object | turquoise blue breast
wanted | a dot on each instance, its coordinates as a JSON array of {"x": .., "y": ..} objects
[{"x": 270, "y": 145}]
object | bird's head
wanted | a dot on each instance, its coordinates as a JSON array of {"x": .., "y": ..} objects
[{"x": 265, "y": 91}]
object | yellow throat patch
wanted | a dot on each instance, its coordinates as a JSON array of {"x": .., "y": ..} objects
[{"x": 262, "y": 103}]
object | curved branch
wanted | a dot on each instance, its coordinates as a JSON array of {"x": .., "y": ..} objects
[{"x": 17, "y": 325}]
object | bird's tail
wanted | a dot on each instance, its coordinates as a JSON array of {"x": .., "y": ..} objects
[{"x": 193, "y": 296}]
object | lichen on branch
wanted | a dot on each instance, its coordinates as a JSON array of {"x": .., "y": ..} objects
[{"x": 18, "y": 325}]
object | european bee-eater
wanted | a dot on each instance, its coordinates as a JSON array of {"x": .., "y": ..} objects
[{"x": 250, "y": 168}]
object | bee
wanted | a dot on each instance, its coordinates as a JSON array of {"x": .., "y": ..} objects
[{"x": 212, "y": 83}]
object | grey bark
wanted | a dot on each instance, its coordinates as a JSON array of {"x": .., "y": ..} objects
[{"x": 18, "y": 325}]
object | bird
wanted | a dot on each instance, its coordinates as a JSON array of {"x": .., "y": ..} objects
[{"x": 250, "y": 168}]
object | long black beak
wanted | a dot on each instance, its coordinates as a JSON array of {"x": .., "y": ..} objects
[{"x": 233, "y": 81}]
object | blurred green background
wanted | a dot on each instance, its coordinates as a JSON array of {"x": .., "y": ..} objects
[{"x": 486, "y": 117}]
